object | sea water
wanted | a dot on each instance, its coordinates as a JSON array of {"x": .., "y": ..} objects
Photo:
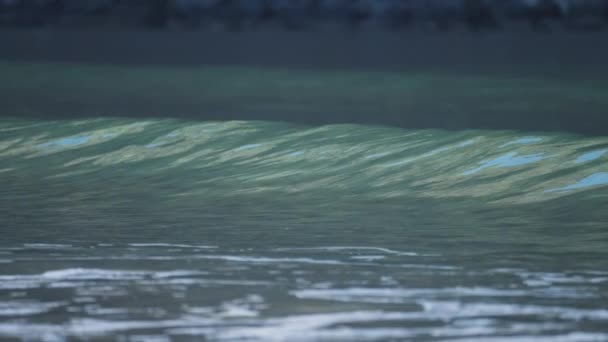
[{"x": 157, "y": 230}]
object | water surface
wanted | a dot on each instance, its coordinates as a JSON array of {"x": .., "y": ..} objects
[{"x": 263, "y": 231}]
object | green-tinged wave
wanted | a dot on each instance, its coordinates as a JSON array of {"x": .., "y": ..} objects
[{"x": 215, "y": 159}]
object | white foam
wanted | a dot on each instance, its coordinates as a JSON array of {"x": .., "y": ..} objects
[
  {"x": 265, "y": 260},
  {"x": 452, "y": 309},
  {"x": 94, "y": 327},
  {"x": 149, "y": 338},
  {"x": 206, "y": 311},
  {"x": 233, "y": 310},
  {"x": 171, "y": 245},
  {"x": 46, "y": 246},
  {"x": 287, "y": 334},
  {"x": 347, "y": 248},
  {"x": 74, "y": 277},
  {"x": 462, "y": 322},
  {"x": 94, "y": 309},
  {"x": 308, "y": 327},
  {"x": 571, "y": 337},
  {"x": 13, "y": 282},
  {"x": 429, "y": 267},
  {"x": 204, "y": 282},
  {"x": 563, "y": 285},
  {"x": 92, "y": 274},
  {"x": 401, "y": 295},
  {"x": 26, "y": 308},
  {"x": 368, "y": 257}
]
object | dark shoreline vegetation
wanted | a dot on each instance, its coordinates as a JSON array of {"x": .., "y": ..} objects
[{"x": 534, "y": 82}]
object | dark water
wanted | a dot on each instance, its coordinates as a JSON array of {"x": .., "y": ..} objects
[{"x": 257, "y": 231}]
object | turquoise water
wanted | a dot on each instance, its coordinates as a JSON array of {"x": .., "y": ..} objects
[{"x": 169, "y": 229}]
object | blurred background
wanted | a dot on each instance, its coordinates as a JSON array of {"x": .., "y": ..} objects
[
  {"x": 236, "y": 15},
  {"x": 482, "y": 63}
]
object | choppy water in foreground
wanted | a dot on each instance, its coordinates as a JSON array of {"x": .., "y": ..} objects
[{"x": 172, "y": 230}]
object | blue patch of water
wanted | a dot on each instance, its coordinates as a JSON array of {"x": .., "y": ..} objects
[
  {"x": 66, "y": 142},
  {"x": 589, "y": 156},
  {"x": 247, "y": 147},
  {"x": 599, "y": 178},
  {"x": 507, "y": 160},
  {"x": 523, "y": 141}
]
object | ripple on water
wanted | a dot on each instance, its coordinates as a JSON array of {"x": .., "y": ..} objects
[
  {"x": 523, "y": 141},
  {"x": 510, "y": 159},
  {"x": 590, "y": 156},
  {"x": 66, "y": 142},
  {"x": 596, "y": 179}
]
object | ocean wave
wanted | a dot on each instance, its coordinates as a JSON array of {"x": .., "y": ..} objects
[{"x": 239, "y": 158}]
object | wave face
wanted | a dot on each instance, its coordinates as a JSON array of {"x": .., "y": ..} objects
[
  {"x": 257, "y": 231},
  {"x": 234, "y": 158}
]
